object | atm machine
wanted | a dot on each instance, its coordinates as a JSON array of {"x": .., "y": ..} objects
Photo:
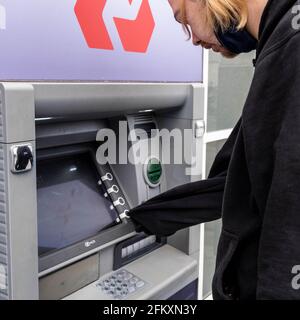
[{"x": 64, "y": 228}]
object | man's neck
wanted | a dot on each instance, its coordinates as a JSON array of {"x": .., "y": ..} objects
[{"x": 255, "y": 11}]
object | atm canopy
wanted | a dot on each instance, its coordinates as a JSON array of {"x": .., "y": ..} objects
[{"x": 88, "y": 40}]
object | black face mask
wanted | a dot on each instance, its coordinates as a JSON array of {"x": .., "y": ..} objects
[{"x": 236, "y": 41}]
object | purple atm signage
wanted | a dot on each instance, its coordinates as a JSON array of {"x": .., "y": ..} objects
[{"x": 95, "y": 40}]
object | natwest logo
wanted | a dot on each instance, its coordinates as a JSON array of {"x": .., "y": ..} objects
[{"x": 135, "y": 34}]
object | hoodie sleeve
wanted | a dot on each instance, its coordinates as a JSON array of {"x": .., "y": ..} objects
[{"x": 189, "y": 204}]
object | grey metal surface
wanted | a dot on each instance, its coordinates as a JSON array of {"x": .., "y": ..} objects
[
  {"x": 19, "y": 193},
  {"x": 176, "y": 174},
  {"x": 176, "y": 270},
  {"x": 4, "y": 292},
  {"x": 70, "y": 132},
  {"x": 17, "y": 112},
  {"x": 186, "y": 240},
  {"x": 70, "y": 279},
  {"x": 193, "y": 107},
  {"x": 105, "y": 99},
  {"x": 22, "y": 218}
]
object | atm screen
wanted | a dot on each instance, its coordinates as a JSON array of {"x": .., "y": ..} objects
[{"x": 71, "y": 205}]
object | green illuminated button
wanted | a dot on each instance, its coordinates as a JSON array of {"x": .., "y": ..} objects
[{"x": 153, "y": 172}]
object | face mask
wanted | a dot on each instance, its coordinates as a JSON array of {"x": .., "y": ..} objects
[{"x": 236, "y": 41}]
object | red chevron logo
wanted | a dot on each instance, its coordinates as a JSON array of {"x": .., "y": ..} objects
[{"x": 135, "y": 35}]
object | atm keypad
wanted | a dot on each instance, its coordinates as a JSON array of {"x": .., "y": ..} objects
[{"x": 120, "y": 284}]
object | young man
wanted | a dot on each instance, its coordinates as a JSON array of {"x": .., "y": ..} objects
[{"x": 254, "y": 184}]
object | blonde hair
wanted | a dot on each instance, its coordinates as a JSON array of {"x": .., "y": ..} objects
[{"x": 222, "y": 13}]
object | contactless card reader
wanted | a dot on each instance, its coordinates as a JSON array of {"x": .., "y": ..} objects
[{"x": 153, "y": 172}]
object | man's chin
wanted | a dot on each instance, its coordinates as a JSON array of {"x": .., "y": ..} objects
[{"x": 228, "y": 54}]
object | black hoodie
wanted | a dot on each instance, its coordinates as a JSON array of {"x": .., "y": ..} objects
[{"x": 254, "y": 183}]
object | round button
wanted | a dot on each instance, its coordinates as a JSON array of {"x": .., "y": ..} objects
[
  {"x": 124, "y": 293},
  {"x": 133, "y": 280}
]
